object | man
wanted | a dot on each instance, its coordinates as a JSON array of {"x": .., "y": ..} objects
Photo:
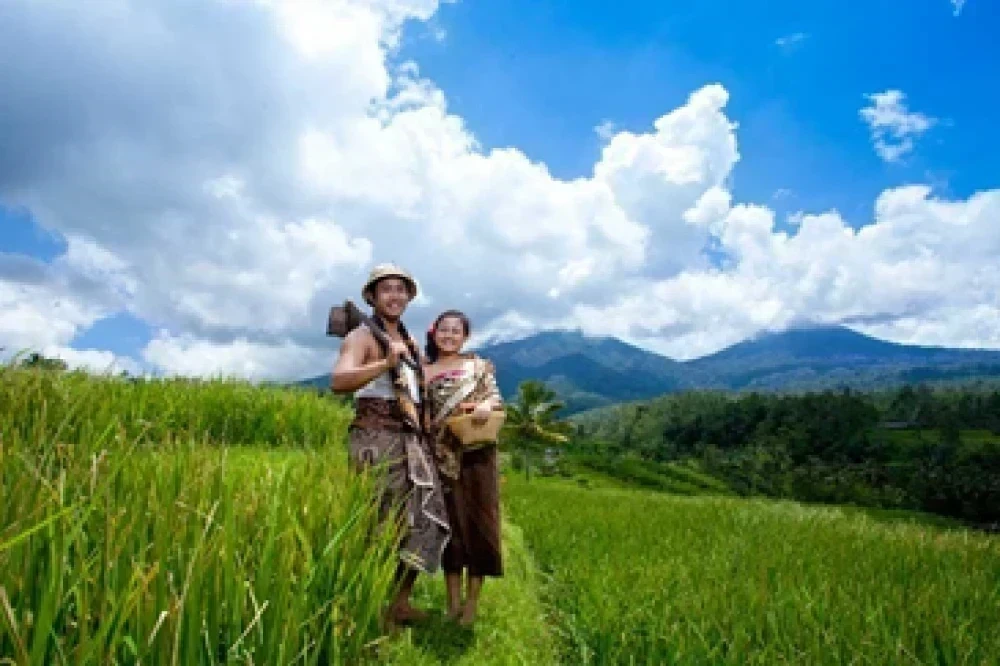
[{"x": 387, "y": 429}]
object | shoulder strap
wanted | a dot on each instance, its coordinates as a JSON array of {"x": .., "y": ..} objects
[{"x": 413, "y": 413}]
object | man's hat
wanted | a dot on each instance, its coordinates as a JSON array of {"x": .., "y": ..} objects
[{"x": 381, "y": 272}]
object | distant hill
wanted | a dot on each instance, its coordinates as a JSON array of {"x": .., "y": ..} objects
[
  {"x": 586, "y": 372},
  {"x": 836, "y": 356},
  {"x": 594, "y": 372}
]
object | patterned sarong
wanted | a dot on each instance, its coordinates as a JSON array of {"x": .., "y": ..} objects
[{"x": 379, "y": 435}]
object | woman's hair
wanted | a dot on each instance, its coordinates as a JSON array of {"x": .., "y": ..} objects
[{"x": 431, "y": 348}]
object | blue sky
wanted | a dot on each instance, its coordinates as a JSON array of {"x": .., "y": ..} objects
[
  {"x": 538, "y": 77},
  {"x": 21, "y": 235},
  {"x": 542, "y": 75}
]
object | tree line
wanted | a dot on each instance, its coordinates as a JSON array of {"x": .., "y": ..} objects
[{"x": 935, "y": 450}]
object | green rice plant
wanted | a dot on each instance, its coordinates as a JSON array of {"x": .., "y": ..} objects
[
  {"x": 124, "y": 540},
  {"x": 640, "y": 577},
  {"x": 679, "y": 478},
  {"x": 232, "y": 413}
]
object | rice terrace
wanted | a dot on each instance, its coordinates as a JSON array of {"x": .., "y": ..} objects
[
  {"x": 499, "y": 333},
  {"x": 186, "y": 522}
]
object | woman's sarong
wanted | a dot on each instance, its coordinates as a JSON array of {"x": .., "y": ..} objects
[{"x": 471, "y": 478}]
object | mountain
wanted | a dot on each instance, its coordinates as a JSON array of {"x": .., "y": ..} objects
[
  {"x": 586, "y": 372},
  {"x": 593, "y": 372},
  {"x": 835, "y": 356}
]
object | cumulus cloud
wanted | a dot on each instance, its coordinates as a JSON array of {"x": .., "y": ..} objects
[
  {"x": 921, "y": 272},
  {"x": 894, "y": 128},
  {"x": 186, "y": 355},
  {"x": 227, "y": 171},
  {"x": 44, "y": 306}
]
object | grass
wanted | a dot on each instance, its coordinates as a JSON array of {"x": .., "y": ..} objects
[
  {"x": 512, "y": 627},
  {"x": 678, "y": 478},
  {"x": 123, "y": 540},
  {"x": 642, "y": 577}
]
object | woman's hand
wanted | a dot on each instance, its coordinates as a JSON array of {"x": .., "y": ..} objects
[{"x": 481, "y": 414}]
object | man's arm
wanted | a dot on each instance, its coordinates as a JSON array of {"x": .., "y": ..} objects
[{"x": 353, "y": 368}]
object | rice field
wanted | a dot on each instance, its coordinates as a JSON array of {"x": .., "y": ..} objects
[
  {"x": 178, "y": 522},
  {"x": 182, "y": 523},
  {"x": 638, "y": 577}
]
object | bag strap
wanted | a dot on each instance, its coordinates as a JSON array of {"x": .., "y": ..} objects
[{"x": 413, "y": 413}]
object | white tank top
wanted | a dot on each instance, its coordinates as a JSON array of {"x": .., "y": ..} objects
[{"x": 381, "y": 387}]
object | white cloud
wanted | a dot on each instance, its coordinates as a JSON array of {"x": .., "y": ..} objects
[
  {"x": 894, "y": 128},
  {"x": 186, "y": 355},
  {"x": 920, "y": 272},
  {"x": 43, "y": 307},
  {"x": 957, "y": 5},
  {"x": 227, "y": 171},
  {"x": 95, "y": 361},
  {"x": 36, "y": 316},
  {"x": 606, "y": 130},
  {"x": 791, "y": 42}
]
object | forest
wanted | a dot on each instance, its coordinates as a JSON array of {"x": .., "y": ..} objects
[{"x": 916, "y": 447}]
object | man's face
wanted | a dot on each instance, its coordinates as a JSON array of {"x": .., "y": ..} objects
[{"x": 391, "y": 298}]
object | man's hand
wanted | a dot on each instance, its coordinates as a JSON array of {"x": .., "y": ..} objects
[
  {"x": 396, "y": 351},
  {"x": 360, "y": 361}
]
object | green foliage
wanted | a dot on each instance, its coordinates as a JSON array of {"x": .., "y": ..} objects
[
  {"x": 144, "y": 522},
  {"x": 914, "y": 448},
  {"x": 648, "y": 578},
  {"x": 532, "y": 422},
  {"x": 227, "y": 413},
  {"x": 674, "y": 477},
  {"x": 37, "y": 361}
]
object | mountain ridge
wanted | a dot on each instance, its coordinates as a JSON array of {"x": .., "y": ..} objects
[{"x": 589, "y": 372}]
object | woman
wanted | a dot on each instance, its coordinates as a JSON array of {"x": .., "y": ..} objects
[{"x": 460, "y": 383}]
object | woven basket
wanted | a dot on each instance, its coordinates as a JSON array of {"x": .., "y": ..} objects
[{"x": 470, "y": 434}]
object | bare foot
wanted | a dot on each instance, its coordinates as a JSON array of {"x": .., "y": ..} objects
[
  {"x": 389, "y": 624},
  {"x": 468, "y": 616},
  {"x": 456, "y": 612},
  {"x": 406, "y": 614}
]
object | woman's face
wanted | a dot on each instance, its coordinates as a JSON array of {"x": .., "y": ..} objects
[{"x": 449, "y": 335}]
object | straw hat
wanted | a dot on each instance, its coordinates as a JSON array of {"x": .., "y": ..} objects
[{"x": 383, "y": 271}]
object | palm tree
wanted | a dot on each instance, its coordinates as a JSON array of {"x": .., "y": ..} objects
[{"x": 531, "y": 420}]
